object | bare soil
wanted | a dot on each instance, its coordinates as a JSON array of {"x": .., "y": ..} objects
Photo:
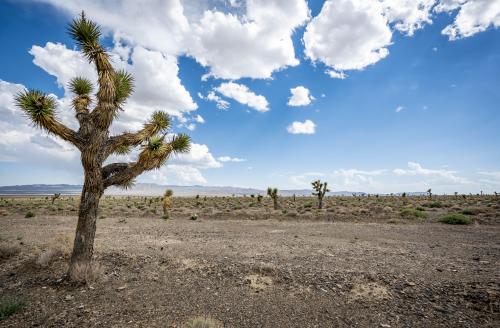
[{"x": 254, "y": 267}]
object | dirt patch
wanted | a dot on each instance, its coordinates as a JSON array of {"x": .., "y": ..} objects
[
  {"x": 368, "y": 292},
  {"x": 258, "y": 282}
]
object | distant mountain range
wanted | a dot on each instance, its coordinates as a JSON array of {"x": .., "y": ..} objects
[{"x": 152, "y": 189}]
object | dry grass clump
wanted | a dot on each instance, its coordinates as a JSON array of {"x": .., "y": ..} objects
[
  {"x": 204, "y": 322},
  {"x": 8, "y": 251},
  {"x": 88, "y": 274},
  {"x": 62, "y": 243},
  {"x": 60, "y": 246},
  {"x": 45, "y": 258}
]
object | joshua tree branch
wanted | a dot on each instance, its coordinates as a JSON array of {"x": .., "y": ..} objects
[
  {"x": 64, "y": 133},
  {"x": 113, "y": 168},
  {"x": 159, "y": 121}
]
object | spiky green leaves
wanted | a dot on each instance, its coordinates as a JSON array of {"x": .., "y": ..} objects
[
  {"x": 124, "y": 86},
  {"x": 86, "y": 34},
  {"x": 181, "y": 143},
  {"x": 81, "y": 86},
  {"x": 38, "y": 106},
  {"x": 154, "y": 143},
  {"x": 156, "y": 151},
  {"x": 161, "y": 121},
  {"x": 122, "y": 150},
  {"x": 272, "y": 192},
  {"x": 320, "y": 188}
]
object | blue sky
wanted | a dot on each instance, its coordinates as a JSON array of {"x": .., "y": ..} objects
[{"x": 423, "y": 112}]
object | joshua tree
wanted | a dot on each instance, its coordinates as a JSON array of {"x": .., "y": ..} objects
[
  {"x": 429, "y": 192},
  {"x": 55, "y": 196},
  {"x": 167, "y": 202},
  {"x": 405, "y": 199},
  {"x": 92, "y": 138},
  {"x": 320, "y": 191},
  {"x": 273, "y": 193}
]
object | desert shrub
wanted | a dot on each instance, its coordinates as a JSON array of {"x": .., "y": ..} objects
[
  {"x": 420, "y": 208},
  {"x": 7, "y": 251},
  {"x": 45, "y": 258},
  {"x": 165, "y": 216},
  {"x": 409, "y": 213},
  {"x": 203, "y": 322},
  {"x": 10, "y": 305},
  {"x": 308, "y": 204},
  {"x": 29, "y": 214},
  {"x": 434, "y": 204},
  {"x": 194, "y": 217},
  {"x": 455, "y": 218},
  {"x": 471, "y": 211}
]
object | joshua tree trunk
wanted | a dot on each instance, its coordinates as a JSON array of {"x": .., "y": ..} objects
[
  {"x": 83, "y": 248},
  {"x": 320, "y": 202}
]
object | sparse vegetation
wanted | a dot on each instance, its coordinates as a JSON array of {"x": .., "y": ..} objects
[
  {"x": 29, "y": 214},
  {"x": 220, "y": 249},
  {"x": 455, "y": 218},
  {"x": 409, "y": 213},
  {"x": 10, "y": 305},
  {"x": 203, "y": 322},
  {"x": 8, "y": 251}
]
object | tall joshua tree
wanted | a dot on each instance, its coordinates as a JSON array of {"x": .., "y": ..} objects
[
  {"x": 273, "y": 193},
  {"x": 320, "y": 189},
  {"x": 93, "y": 139}
]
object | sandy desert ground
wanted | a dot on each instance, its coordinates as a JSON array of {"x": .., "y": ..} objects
[{"x": 359, "y": 262}]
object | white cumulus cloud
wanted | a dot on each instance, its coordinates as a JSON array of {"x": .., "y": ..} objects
[
  {"x": 473, "y": 16},
  {"x": 408, "y": 15},
  {"x": 243, "y": 95},
  {"x": 254, "y": 45},
  {"x": 300, "y": 96},
  {"x": 348, "y": 35},
  {"x": 306, "y": 127},
  {"x": 440, "y": 175}
]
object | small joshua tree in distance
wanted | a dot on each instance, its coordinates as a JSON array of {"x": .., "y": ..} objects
[
  {"x": 54, "y": 197},
  {"x": 92, "y": 138},
  {"x": 320, "y": 189},
  {"x": 273, "y": 193},
  {"x": 167, "y": 202},
  {"x": 429, "y": 192}
]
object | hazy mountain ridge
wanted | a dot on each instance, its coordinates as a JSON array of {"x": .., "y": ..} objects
[{"x": 152, "y": 189}]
